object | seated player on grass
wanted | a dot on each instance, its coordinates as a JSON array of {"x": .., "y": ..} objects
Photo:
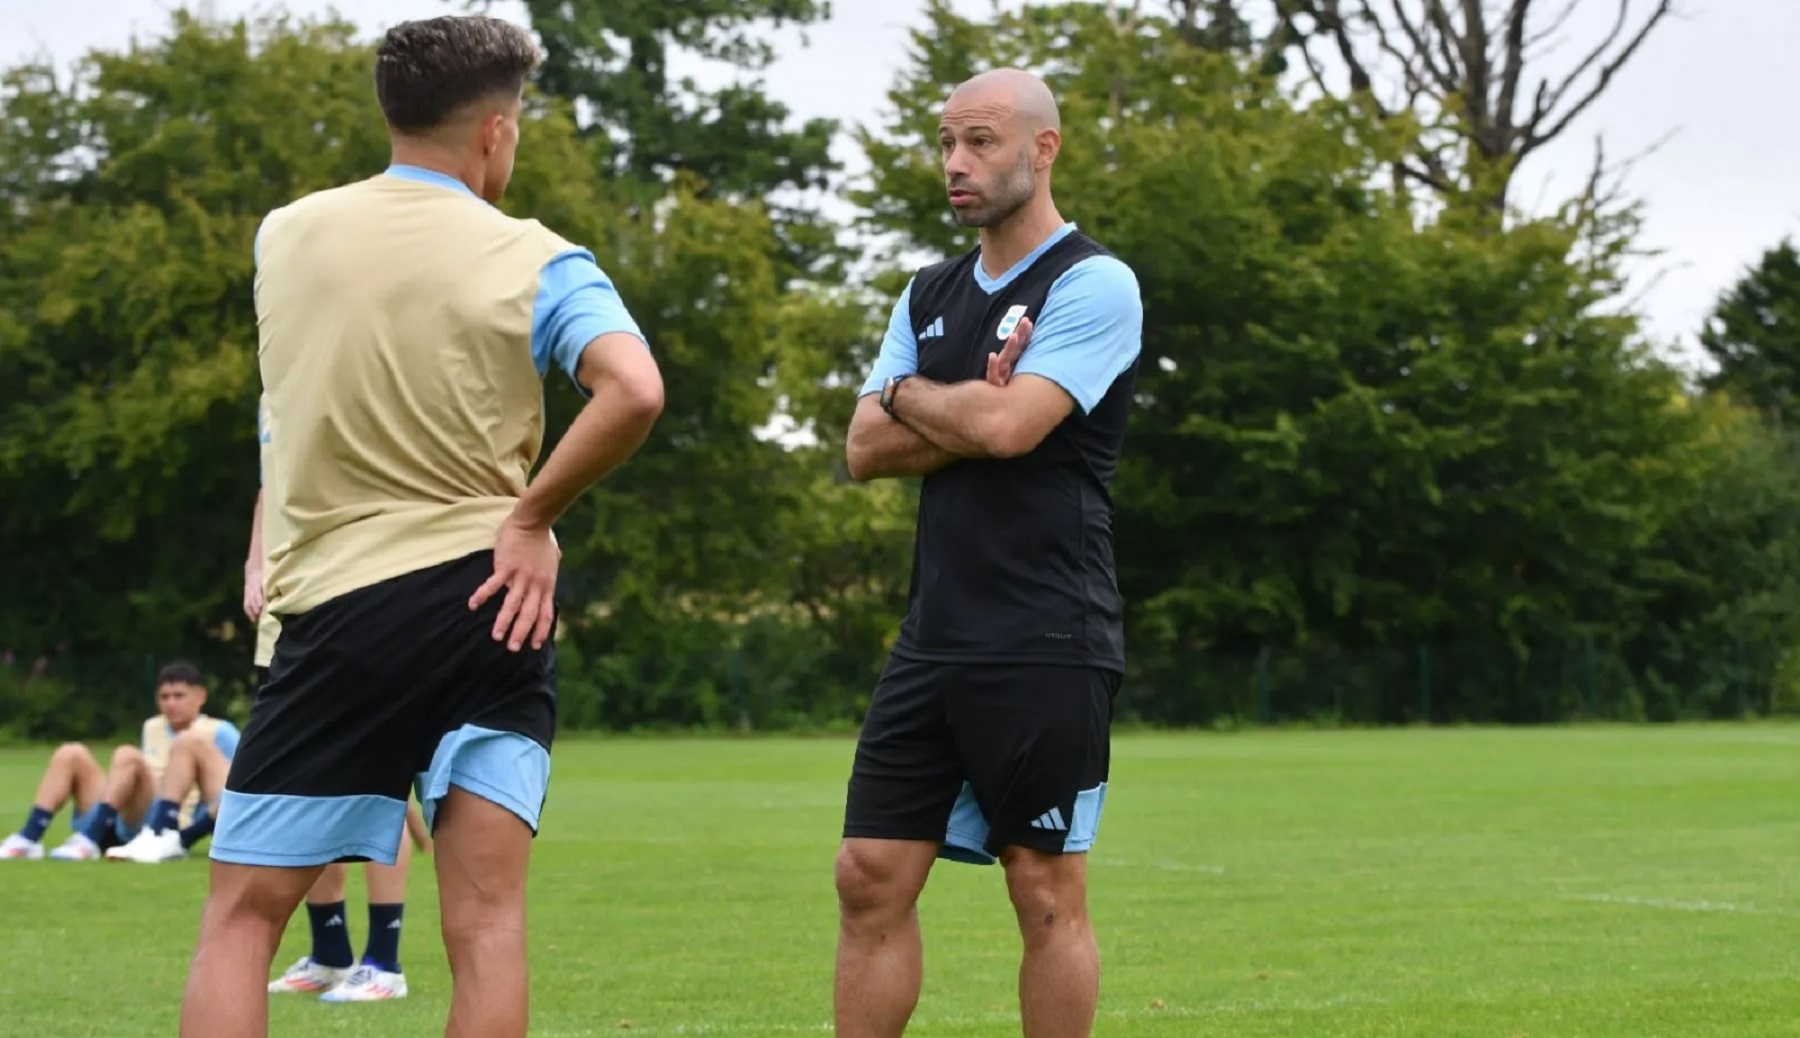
[
  {"x": 187, "y": 801},
  {"x": 111, "y": 805}
]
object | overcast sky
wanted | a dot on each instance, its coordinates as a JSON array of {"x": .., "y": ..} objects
[{"x": 1723, "y": 188}]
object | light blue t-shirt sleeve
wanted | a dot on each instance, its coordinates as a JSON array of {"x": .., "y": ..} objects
[
  {"x": 225, "y": 737},
  {"x": 576, "y": 304},
  {"x": 1091, "y": 329},
  {"x": 899, "y": 349}
]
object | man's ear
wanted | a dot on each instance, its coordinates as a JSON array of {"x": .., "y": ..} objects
[{"x": 1049, "y": 145}]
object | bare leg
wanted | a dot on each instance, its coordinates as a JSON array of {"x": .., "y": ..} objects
[
  {"x": 72, "y": 773},
  {"x": 240, "y": 928},
  {"x": 387, "y": 883},
  {"x": 328, "y": 889},
  {"x": 880, "y": 956},
  {"x": 129, "y": 785},
  {"x": 482, "y": 854},
  {"x": 194, "y": 763},
  {"x": 1059, "y": 977}
]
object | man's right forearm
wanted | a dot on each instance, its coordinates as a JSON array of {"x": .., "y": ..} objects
[
  {"x": 611, "y": 428},
  {"x": 889, "y": 450}
]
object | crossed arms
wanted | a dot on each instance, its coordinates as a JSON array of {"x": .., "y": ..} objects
[
  {"x": 1091, "y": 328},
  {"x": 934, "y": 424}
]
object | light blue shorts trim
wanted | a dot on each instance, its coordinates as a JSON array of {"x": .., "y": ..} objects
[
  {"x": 965, "y": 838},
  {"x": 506, "y": 768},
  {"x": 966, "y": 835},
  {"x": 295, "y": 831}
]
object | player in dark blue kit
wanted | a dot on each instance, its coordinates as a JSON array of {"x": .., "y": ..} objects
[{"x": 1005, "y": 380}]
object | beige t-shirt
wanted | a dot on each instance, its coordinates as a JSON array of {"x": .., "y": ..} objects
[{"x": 402, "y": 407}]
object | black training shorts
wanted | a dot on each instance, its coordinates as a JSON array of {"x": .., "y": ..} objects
[
  {"x": 390, "y": 689},
  {"x": 983, "y": 756}
]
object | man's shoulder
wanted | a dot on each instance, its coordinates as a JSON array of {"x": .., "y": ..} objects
[
  {"x": 322, "y": 202},
  {"x": 1098, "y": 273},
  {"x": 324, "y": 198},
  {"x": 528, "y": 236}
]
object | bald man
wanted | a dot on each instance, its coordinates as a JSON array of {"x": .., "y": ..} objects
[{"x": 1005, "y": 381}]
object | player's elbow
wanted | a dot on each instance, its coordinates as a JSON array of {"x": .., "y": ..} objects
[
  {"x": 638, "y": 395},
  {"x": 646, "y": 398},
  {"x": 1007, "y": 437},
  {"x": 859, "y": 461}
]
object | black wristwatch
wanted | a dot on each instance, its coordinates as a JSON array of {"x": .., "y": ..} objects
[{"x": 887, "y": 392}]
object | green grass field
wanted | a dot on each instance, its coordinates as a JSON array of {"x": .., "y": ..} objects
[{"x": 1569, "y": 883}]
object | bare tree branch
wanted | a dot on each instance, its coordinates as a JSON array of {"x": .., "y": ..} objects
[
  {"x": 1415, "y": 32},
  {"x": 1534, "y": 137},
  {"x": 1472, "y": 61},
  {"x": 1555, "y": 26},
  {"x": 1513, "y": 60}
]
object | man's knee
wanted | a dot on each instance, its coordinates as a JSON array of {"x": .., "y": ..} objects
[
  {"x": 1048, "y": 891},
  {"x": 254, "y": 896},
  {"x": 194, "y": 744},
  {"x": 127, "y": 756},
  {"x": 878, "y": 876},
  {"x": 71, "y": 755}
]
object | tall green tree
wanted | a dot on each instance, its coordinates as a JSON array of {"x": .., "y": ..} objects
[
  {"x": 1753, "y": 335},
  {"x": 617, "y": 59}
]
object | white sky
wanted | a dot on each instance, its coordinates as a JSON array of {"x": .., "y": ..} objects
[{"x": 1720, "y": 191}]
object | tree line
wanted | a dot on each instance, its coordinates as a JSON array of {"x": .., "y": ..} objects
[{"x": 1398, "y": 454}]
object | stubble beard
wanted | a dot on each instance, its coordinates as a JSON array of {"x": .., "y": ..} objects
[{"x": 1008, "y": 196}]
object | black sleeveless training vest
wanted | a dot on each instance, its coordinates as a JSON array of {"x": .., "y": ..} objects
[{"x": 1013, "y": 558}]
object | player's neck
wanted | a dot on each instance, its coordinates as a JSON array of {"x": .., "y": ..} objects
[
  {"x": 423, "y": 154},
  {"x": 1006, "y": 243}
]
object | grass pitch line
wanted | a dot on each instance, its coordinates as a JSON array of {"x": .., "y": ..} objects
[{"x": 1673, "y": 905}]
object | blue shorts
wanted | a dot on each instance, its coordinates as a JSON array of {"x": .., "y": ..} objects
[
  {"x": 392, "y": 689},
  {"x": 121, "y": 834}
]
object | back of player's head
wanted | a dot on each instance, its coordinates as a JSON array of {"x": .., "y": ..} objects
[
  {"x": 428, "y": 72},
  {"x": 180, "y": 672}
]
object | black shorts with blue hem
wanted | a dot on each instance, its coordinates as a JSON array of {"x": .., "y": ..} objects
[
  {"x": 391, "y": 689},
  {"x": 980, "y": 757}
]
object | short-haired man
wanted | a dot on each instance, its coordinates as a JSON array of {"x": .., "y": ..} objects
[
  {"x": 1005, "y": 380},
  {"x": 405, "y": 325},
  {"x": 113, "y": 805}
]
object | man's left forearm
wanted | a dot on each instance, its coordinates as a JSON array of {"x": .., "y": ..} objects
[{"x": 964, "y": 418}]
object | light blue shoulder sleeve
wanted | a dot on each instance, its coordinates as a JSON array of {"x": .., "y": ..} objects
[
  {"x": 576, "y": 304},
  {"x": 225, "y": 737},
  {"x": 1090, "y": 330},
  {"x": 899, "y": 349}
]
